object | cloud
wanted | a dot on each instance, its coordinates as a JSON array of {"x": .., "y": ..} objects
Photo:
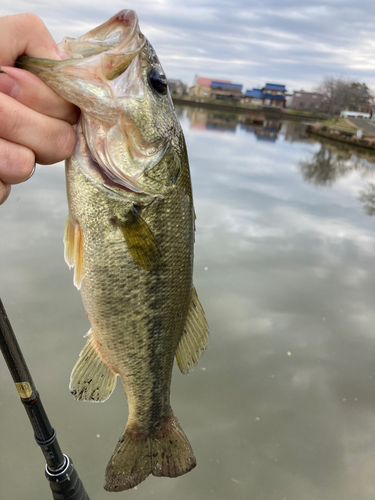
[{"x": 283, "y": 41}]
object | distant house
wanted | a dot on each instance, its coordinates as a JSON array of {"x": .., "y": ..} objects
[
  {"x": 176, "y": 87},
  {"x": 215, "y": 89},
  {"x": 274, "y": 89},
  {"x": 202, "y": 87},
  {"x": 226, "y": 91},
  {"x": 307, "y": 101},
  {"x": 270, "y": 95}
]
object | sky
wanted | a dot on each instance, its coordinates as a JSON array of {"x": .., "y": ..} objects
[{"x": 292, "y": 42}]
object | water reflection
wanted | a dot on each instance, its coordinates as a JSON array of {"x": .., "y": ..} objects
[
  {"x": 266, "y": 129},
  {"x": 214, "y": 121},
  {"x": 332, "y": 163},
  {"x": 296, "y": 132},
  {"x": 325, "y": 167},
  {"x": 282, "y": 403},
  {"x": 367, "y": 197}
]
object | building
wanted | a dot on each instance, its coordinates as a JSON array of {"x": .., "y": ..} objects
[
  {"x": 226, "y": 91},
  {"x": 270, "y": 95},
  {"x": 209, "y": 88},
  {"x": 355, "y": 114},
  {"x": 202, "y": 87},
  {"x": 176, "y": 87},
  {"x": 307, "y": 101}
]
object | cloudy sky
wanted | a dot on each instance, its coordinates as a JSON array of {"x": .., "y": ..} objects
[{"x": 291, "y": 42}]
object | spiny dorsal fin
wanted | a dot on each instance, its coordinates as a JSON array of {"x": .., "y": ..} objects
[
  {"x": 73, "y": 252},
  {"x": 139, "y": 238},
  {"x": 91, "y": 378},
  {"x": 194, "y": 339}
]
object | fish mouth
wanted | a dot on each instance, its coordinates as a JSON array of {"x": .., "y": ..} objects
[
  {"x": 103, "y": 53},
  {"x": 115, "y": 42}
]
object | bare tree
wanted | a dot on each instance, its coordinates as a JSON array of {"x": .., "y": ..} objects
[{"x": 342, "y": 93}]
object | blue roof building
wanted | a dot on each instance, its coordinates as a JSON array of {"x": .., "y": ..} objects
[
  {"x": 273, "y": 86},
  {"x": 257, "y": 93},
  {"x": 270, "y": 95},
  {"x": 226, "y": 86},
  {"x": 208, "y": 88},
  {"x": 225, "y": 90}
]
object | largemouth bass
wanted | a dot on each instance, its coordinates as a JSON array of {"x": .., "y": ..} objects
[{"x": 130, "y": 236}]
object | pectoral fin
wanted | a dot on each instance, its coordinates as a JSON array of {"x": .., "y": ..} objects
[
  {"x": 140, "y": 240},
  {"x": 194, "y": 340},
  {"x": 73, "y": 250},
  {"x": 69, "y": 243},
  {"x": 91, "y": 378}
]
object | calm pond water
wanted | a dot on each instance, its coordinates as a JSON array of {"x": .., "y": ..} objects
[{"x": 282, "y": 405}]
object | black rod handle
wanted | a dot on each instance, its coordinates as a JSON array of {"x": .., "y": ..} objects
[{"x": 66, "y": 484}]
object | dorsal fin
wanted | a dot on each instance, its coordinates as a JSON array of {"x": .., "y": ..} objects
[{"x": 194, "y": 339}]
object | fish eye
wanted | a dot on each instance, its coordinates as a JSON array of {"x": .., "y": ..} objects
[{"x": 158, "y": 80}]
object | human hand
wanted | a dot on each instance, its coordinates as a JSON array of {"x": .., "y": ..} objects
[{"x": 35, "y": 123}]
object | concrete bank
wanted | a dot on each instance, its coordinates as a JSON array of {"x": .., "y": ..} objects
[{"x": 342, "y": 136}]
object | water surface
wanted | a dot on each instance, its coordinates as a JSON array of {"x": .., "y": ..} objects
[{"x": 281, "y": 406}]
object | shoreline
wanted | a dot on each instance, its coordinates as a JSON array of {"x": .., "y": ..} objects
[
  {"x": 261, "y": 113},
  {"x": 366, "y": 141},
  {"x": 244, "y": 109}
]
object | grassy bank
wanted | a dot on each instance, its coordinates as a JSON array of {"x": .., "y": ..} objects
[{"x": 343, "y": 125}]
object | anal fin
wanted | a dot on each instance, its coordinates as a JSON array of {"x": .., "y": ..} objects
[
  {"x": 91, "y": 379},
  {"x": 194, "y": 339},
  {"x": 73, "y": 252}
]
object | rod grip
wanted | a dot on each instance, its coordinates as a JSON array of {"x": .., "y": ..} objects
[{"x": 66, "y": 484}]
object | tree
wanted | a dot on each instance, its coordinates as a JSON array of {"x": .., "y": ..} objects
[{"x": 341, "y": 93}]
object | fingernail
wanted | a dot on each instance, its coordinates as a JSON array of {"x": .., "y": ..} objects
[
  {"x": 32, "y": 172},
  {"x": 8, "y": 85}
]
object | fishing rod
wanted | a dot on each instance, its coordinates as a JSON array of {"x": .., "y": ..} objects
[{"x": 60, "y": 471}]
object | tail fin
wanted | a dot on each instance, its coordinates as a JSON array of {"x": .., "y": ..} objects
[{"x": 166, "y": 452}]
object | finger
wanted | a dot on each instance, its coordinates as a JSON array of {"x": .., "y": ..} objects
[
  {"x": 50, "y": 139},
  {"x": 25, "y": 34},
  {"x": 4, "y": 192},
  {"x": 17, "y": 162},
  {"x": 29, "y": 90}
]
